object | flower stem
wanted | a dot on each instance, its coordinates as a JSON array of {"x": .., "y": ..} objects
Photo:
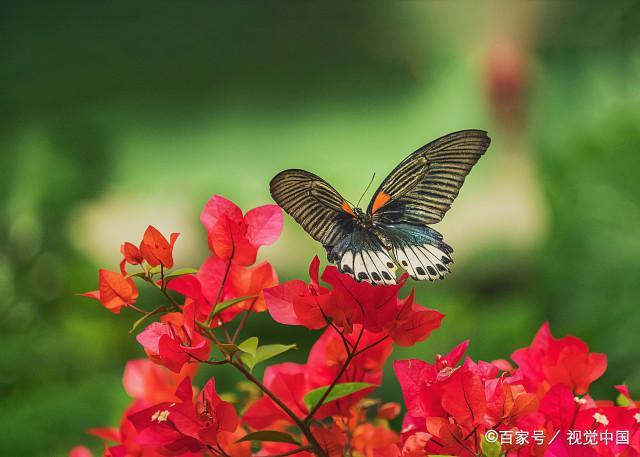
[{"x": 302, "y": 425}]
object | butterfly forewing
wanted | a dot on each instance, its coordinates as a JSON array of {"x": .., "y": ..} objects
[
  {"x": 423, "y": 186},
  {"x": 314, "y": 204}
]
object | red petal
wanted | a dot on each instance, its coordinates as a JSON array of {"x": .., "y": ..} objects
[
  {"x": 149, "y": 338},
  {"x": 80, "y": 451},
  {"x": 131, "y": 253},
  {"x": 172, "y": 354},
  {"x": 251, "y": 281},
  {"x": 464, "y": 398},
  {"x": 155, "y": 248},
  {"x": 106, "y": 433},
  {"x": 95, "y": 294},
  {"x": 279, "y": 301},
  {"x": 413, "y": 323},
  {"x": 264, "y": 224},
  {"x": 116, "y": 290},
  {"x": 227, "y": 416}
]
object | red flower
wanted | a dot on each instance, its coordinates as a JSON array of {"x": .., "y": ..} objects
[
  {"x": 174, "y": 341},
  {"x": 218, "y": 281},
  {"x": 567, "y": 361},
  {"x": 288, "y": 381},
  {"x": 155, "y": 248},
  {"x": 152, "y": 383},
  {"x": 80, "y": 451},
  {"x": 232, "y": 235},
  {"x": 185, "y": 425},
  {"x": 296, "y": 303},
  {"x": 415, "y": 374},
  {"x": 349, "y": 303},
  {"x": 455, "y": 405},
  {"x": 115, "y": 291},
  {"x": 412, "y": 323},
  {"x": 148, "y": 384},
  {"x": 131, "y": 255},
  {"x": 368, "y": 440}
]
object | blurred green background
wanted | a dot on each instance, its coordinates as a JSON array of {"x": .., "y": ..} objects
[{"x": 117, "y": 115}]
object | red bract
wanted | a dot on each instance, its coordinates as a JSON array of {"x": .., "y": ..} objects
[
  {"x": 289, "y": 382},
  {"x": 155, "y": 248},
  {"x": 185, "y": 425},
  {"x": 348, "y": 303},
  {"x": 218, "y": 281},
  {"x": 567, "y": 361},
  {"x": 412, "y": 323},
  {"x": 455, "y": 405},
  {"x": 148, "y": 384},
  {"x": 414, "y": 374},
  {"x": 115, "y": 291},
  {"x": 296, "y": 303},
  {"x": 232, "y": 235},
  {"x": 151, "y": 383},
  {"x": 174, "y": 341},
  {"x": 131, "y": 255}
]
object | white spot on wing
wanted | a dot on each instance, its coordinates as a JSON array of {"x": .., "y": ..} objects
[{"x": 359, "y": 267}]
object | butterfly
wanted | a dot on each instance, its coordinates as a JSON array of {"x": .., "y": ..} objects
[{"x": 395, "y": 230}]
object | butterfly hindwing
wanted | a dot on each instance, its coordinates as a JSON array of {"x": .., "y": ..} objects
[
  {"x": 423, "y": 186},
  {"x": 362, "y": 255},
  {"x": 419, "y": 249},
  {"x": 314, "y": 204}
]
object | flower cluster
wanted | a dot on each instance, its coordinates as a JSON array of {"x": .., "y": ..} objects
[
  {"x": 537, "y": 408},
  {"x": 539, "y": 405},
  {"x": 348, "y": 303}
]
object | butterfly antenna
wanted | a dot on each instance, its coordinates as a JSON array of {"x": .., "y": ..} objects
[{"x": 365, "y": 191}]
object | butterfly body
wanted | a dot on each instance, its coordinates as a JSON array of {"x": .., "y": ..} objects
[{"x": 394, "y": 230}]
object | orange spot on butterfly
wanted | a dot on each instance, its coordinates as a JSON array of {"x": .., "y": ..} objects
[
  {"x": 347, "y": 208},
  {"x": 380, "y": 201}
]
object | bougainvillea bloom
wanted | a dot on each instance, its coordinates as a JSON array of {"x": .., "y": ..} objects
[
  {"x": 314, "y": 409},
  {"x": 348, "y": 303},
  {"x": 173, "y": 341},
  {"x": 298, "y": 303},
  {"x": 186, "y": 425},
  {"x": 232, "y": 235},
  {"x": 218, "y": 280},
  {"x": 567, "y": 360},
  {"x": 115, "y": 291},
  {"x": 155, "y": 248}
]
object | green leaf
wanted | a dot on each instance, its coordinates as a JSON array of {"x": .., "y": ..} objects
[
  {"x": 621, "y": 400},
  {"x": 155, "y": 270},
  {"x": 493, "y": 449},
  {"x": 179, "y": 272},
  {"x": 249, "y": 346},
  {"x": 270, "y": 435},
  {"x": 338, "y": 391},
  {"x": 158, "y": 310},
  {"x": 226, "y": 304},
  {"x": 263, "y": 353}
]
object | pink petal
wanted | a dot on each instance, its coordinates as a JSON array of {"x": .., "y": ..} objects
[
  {"x": 216, "y": 208},
  {"x": 264, "y": 224},
  {"x": 279, "y": 300},
  {"x": 149, "y": 338}
]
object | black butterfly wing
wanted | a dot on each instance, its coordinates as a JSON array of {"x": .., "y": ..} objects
[
  {"x": 423, "y": 186},
  {"x": 363, "y": 255},
  {"x": 418, "y": 192},
  {"x": 329, "y": 219},
  {"x": 314, "y": 204}
]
